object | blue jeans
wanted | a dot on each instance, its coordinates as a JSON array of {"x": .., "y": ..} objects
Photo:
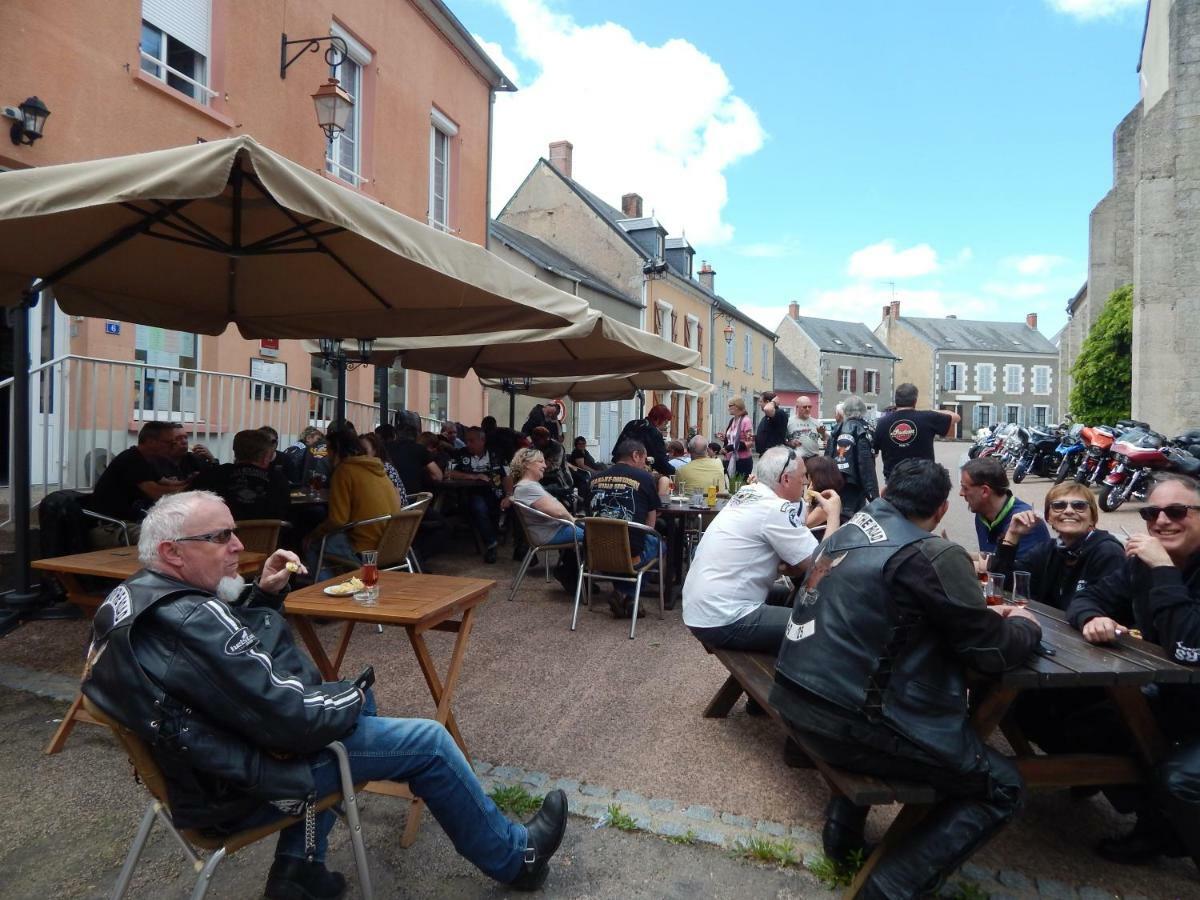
[
  {"x": 565, "y": 533},
  {"x": 422, "y": 753},
  {"x": 484, "y": 511},
  {"x": 335, "y": 545},
  {"x": 649, "y": 551}
]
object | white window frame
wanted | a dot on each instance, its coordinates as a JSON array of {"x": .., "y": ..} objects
[
  {"x": 693, "y": 332},
  {"x": 1045, "y": 418},
  {"x": 1043, "y": 371},
  {"x": 359, "y": 57},
  {"x": 1008, "y": 407},
  {"x": 1019, "y": 379},
  {"x": 844, "y": 378},
  {"x": 960, "y": 377},
  {"x": 440, "y": 127},
  {"x": 991, "y": 410},
  {"x": 664, "y": 319},
  {"x": 983, "y": 386},
  {"x": 189, "y": 23},
  {"x": 871, "y": 381}
]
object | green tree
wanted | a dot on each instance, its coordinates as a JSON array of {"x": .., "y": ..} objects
[{"x": 1103, "y": 372}]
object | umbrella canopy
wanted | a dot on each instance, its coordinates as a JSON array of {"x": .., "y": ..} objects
[
  {"x": 594, "y": 346},
  {"x": 611, "y": 387},
  {"x": 195, "y": 238}
]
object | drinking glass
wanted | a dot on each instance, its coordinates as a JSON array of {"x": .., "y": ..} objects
[
  {"x": 985, "y": 559},
  {"x": 994, "y": 589},
  {"x": 369, "y": 595},
  {"x": 697, "y": 499},
  {"x": 1020, "y": 590}
]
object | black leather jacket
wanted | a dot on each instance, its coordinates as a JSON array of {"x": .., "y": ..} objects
[
  {"x": 227, "y": 703},
  {"x": 883, "y": 630},
  {"x": 852, "y": 447}
]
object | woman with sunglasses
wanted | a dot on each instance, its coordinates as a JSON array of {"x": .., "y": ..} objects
[{"x": 1081, "y": 555}]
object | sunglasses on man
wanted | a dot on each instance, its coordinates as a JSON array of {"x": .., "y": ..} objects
[
  {"x": 1061, "y": 505},
  {"x": 1176, "y": 512},
  {"x": 211, "y": 537}
]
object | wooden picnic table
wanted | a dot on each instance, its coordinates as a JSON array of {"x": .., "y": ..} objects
[
  {"x": 117, "y": 564},
  {"x": 417, "y": 603}
]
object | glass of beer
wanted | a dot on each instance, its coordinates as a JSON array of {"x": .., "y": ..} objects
[
  {"x": 1020, "y": 590},
  {"x": 994, "y": 589},
  {"x": 982, "y": 567},
  {"x": 369, "y": 595}
]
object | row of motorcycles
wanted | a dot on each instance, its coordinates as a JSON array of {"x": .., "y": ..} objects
[{"x": 1120, "y": 459}]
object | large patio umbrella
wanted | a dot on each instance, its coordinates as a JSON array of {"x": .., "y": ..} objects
[
  {"x": 597, "y": 388},
  {"x": 198, "y": 237}
]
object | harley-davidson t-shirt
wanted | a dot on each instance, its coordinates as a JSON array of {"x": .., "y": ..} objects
[{"x": 909, "y": 434}]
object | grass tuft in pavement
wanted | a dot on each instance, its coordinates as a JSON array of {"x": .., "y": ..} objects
[
  {"x": 781, "y": 853},
  {"x": 513, "y": 798},
  {"x": 620, "y": 819},
  {"x": 688, "y": 837},
  {"x": 835, "y": 875}
]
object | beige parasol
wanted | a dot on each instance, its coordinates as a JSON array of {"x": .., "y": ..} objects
[{"x": 610, "y": 387}]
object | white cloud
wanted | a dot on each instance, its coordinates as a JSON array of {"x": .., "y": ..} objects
[
  {"x": 1036, "y": 264},
  {"x": 1015, "y": 291},
  {"x": 496, "y": 52},
  {"x": 1095, "y": 9},
  {"x": 659, "y": 121},
  {"x": 883, "y": 260}
]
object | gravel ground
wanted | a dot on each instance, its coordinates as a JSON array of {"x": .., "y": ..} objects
[{"x": 590, "y": 705}]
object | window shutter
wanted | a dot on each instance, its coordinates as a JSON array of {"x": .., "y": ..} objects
[
  {"x": 687, "y": 333},
  {"x": 658, "y": 320},
  {"x": 674, "y": 327},
  {"x": 188, "y": 21},
  {"x": 853, "y": 380},
  {"x": 700, "y": 343}
]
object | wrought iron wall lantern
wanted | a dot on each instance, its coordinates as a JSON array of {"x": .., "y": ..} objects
[
  {"x": 334, "y": 357},
  {"x": 334, "y": 106},
  {"x": 29, "y": 120}
]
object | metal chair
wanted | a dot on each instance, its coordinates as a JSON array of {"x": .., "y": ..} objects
[
  {"x": 525, "y": 512},
  {"x": 395, "y": 544},
  {"x": 260, "y": 535},
  {"x": 121, "y": 524},
  {"x": 190, "y": 839},
  {"x": 607, "y": 558},
  {"x": 418, "y": 501},
  {"x": 344, "y": 562}
]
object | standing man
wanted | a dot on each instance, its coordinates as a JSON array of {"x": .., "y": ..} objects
[
  {"x": 478, "y": 464},
  {"x": 1158, "y": 592},
  {"x": 983, "y": 483},
  {"x": 648, "y": 433},
  {"x": 772, "y": 428},
  {"x": 803, "y": 431},
  {"x": 626, "y": 490},
  {"x": 852, "y": 447},
  {"x": 873, "y": 671},
  {"x": 728, "y": 593},
  {"x": 907, "y": 432},
  {"x": 205, "y": 670}
]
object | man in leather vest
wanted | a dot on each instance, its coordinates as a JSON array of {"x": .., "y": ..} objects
[
  {"x": 872, "y": 672},
  {"x": 204, "y": 669}
]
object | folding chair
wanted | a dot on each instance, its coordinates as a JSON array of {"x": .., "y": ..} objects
[
  {"x": 147, "y": 772},
  {"x": 121, "y": 525},
  {"x": 607, "y": 558},
  {"x": 343, "y": 562},
  {"x": 260, "y": 535},
  {"x": 524, "y": 514}
]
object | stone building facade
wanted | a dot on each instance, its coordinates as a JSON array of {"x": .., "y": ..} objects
[{"x": 1146, "y": 230}]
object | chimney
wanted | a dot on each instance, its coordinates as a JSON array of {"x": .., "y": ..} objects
[
  {"x": 560, "y": 156},
  {"x": 631, "y": 206},
  {"x": 887, "y": 310},
  {"x": 794, "y": 310},
  {"x": 1031, "y": 320},
  {"x": 707, "y": 273},
  {"x": 952, "y": 316},
  {"x": 895, "y": 307}
]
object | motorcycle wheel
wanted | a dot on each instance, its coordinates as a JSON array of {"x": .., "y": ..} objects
[
  {"x": 1020, "y": 471},
  {"x": 1111, "y": 497},
  {"x": 1064, "y": 468},
  {"x": 1083, "y": 475}
]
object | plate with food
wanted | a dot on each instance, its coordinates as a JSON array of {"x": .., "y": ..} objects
[{"x": 346, "y": 588}]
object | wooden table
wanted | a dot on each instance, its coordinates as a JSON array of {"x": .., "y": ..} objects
[
  {"x": 116, "y": 563},
  {"x": 1121, "y": 668},
  {"x": 418, "y": 603},
  {"x": 675, "y": 518},
  {"x": 306, "y": 497}
]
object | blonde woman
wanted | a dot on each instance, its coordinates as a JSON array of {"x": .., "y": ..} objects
[
  {"x": 739, "y": 439},
  {"x": 527, "y": 469}
]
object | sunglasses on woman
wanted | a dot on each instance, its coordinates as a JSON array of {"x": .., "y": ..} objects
[
  {"x": 1176, "y": 512},
  {"x": 1061, "y": 505},
  {"x": 211, "y": 537}
]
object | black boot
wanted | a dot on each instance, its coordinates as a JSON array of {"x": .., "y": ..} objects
[
  {"x": 1150, "y": 838},
  {"x": 299, "y": 879},
  {"x": 843, "y": 832},
  {"x": 546, "y": 830}
]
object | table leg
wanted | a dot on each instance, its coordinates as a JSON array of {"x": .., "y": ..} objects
[
  {"x": 443, "y": 694},
  {"x": 908, "y": 819},
  {"x": 75, "y": 713},
  {"x": 992, "y": 710},
  {"x": 343, "y": 644},
  {"x": 304, "y": 627},
  {"x": 1152, "y": 746},
  {"x": 723, "y": 700}
]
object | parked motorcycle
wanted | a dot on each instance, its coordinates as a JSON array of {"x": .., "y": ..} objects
[
  {"x": 1070, "y": 450},
  {"x": 1137, "y": 461},
  {"x": 985, "y": 442},
  {"x": 1040, "y": 455}
]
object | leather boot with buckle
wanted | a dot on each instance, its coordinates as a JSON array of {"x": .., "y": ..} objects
[
  {"x": 546, "y": 831},
  {"x": 298, "y": 879}
]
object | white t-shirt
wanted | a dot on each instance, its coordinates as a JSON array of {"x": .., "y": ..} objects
[
  {"x": 739, "y": 555},
  {"x": 804, "y": 432}
]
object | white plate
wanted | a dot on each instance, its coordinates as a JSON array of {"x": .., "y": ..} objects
[{"x": 337, "y": 590}]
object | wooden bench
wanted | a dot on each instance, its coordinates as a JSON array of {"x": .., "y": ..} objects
[{"x": 753, "y": 673}]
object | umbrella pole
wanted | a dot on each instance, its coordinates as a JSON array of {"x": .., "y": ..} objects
[
  {"x": 512, "y": 409},
  {"x": 339, "y": 409}
]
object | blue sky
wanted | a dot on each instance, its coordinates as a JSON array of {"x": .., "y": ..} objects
[{"x": 821, "y": 152}]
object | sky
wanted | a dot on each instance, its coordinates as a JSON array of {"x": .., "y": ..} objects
[{"x": 942, "y": 153}]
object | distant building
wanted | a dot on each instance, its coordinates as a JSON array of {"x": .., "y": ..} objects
[
  {"x": 985, "y": 371},
  {"x": 791, "y": 384},
  {"x": 840, "y": 358}
]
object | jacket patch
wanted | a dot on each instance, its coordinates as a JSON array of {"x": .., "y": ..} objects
[
  {"x": 797, "y": 631},
  {"x": 794, "y": 514},
  {"x": 240, "y": 641},
  {"x": 872, "y": 529},
  {"x": 119, "y": 603},
  {"x": 1186, "y": 654}
]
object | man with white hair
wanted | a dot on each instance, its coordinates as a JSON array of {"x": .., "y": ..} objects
[
  {"x": 204, "y": 669},
  {"x": 702, "y": 472},
  {"x": 760, "y": 531},
  {"x": 803, "y": 431}
]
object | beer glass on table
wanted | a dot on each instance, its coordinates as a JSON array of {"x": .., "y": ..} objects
[
  {"x": 369, "y": 595},
  {"x": 1020, "y": 590},
  {"x": 993, "y": 590}
]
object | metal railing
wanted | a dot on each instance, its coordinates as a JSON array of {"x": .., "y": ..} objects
[{"x": 84, "y": 411}]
